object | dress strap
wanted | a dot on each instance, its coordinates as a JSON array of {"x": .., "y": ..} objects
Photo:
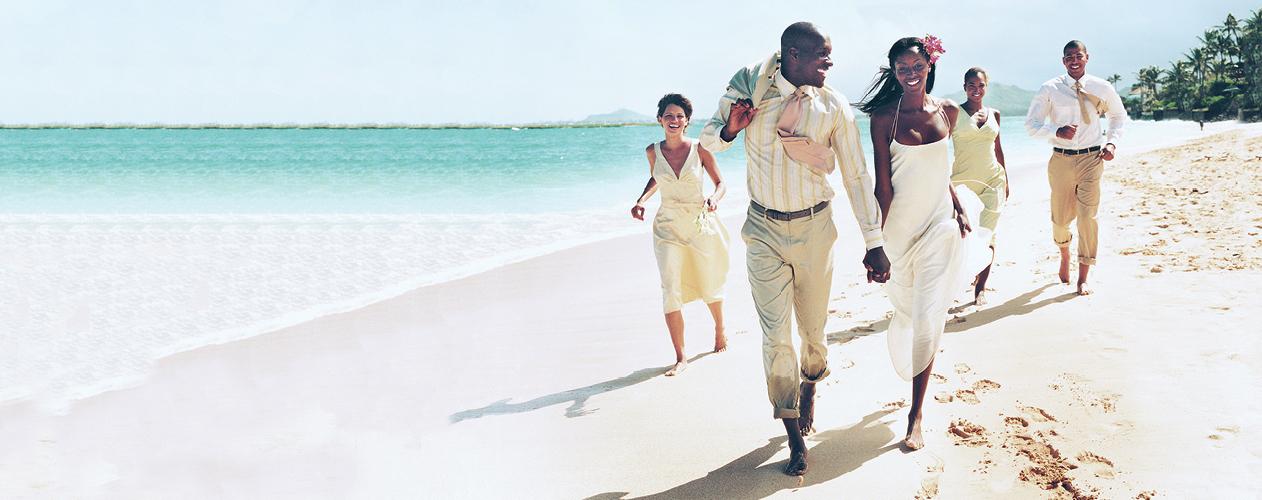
[{"x": 894, "y": 130}]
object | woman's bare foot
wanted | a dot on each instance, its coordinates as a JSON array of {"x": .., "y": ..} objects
[
  {"x": 679, "y": 367},
  {"x": 980, "y": 299},
  {"x": 720, "y": 340},
  {"x": 806, "y": 409},
  {"x": 914, "y": 440}
]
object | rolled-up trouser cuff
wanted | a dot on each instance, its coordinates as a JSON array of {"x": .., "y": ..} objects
[
  {"x": 1086, "y": 261},
  {"x": 821, "y": 376},
  {"x": 781, "y": 413}
]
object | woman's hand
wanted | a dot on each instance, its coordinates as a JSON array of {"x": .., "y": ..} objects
[
  {"x": 962, "y": 219},
  {"x": 711, "y": 204},
  {"x": 637, "y": 211}
]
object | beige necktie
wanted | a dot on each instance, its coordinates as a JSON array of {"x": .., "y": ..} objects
[
  {"x": 819, "y": 158},
  {"x": 1097, "y": 104}
]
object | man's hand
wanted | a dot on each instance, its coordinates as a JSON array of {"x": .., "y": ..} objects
[
  {"x": 741, "y": 115},
  {"x": 1067, "y": 132},
  {"x": 1106, "y": 152},
  {"x": 877, "y": 264}
]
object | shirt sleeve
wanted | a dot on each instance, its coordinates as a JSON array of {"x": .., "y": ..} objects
[
  {"x": 855, "y": 179},
  {"x": 1036, "y": 118},
  {"x": 1116, "y": 115},
  {"x": 711, "y": 135}
]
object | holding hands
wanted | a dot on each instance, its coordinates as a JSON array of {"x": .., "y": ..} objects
[{"x": 877, "y": 264}]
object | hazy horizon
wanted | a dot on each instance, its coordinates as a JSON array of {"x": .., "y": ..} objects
[{"x": 486, "y": 62}]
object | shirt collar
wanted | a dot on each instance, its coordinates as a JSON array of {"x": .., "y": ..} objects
[{"x": 786, "y": 88}]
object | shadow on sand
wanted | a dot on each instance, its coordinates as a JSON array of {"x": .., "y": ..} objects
[
  {"x": 576, "y": 397},
  {"x": 834, "y": 453}
]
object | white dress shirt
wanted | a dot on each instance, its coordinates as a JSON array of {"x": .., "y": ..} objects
[
  {"x": 778, "y": 182},
  {"x": 1056, "y": 105}
]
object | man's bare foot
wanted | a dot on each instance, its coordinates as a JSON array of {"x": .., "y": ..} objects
[
  {"x": 1064, "y": 265},
  {"x": 1084, "y": 288},
  {"x": 806, "y": 409},
  {"x": 720, "y": 340},
  {"x": 980, "y": 299},
  {"x": 914, "y": 440},
  {"x": 679, "y": 367},
  {"x": 797, "y": 463}
]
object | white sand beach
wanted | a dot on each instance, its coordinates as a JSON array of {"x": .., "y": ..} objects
[{"x": 543, "y": 379}]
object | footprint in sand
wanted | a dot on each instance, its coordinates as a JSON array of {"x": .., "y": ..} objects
[
  {"x": 944, "y": 397},
  {"x": 1016, "y": 423},
  {"x": 961, "y": 368},
  {"x": 967, "y": 396},
  {"x": 1224, "y": 432},
  {"x": 1098, "y": 465},
  {"x": 985, "y": 385},
  {"x": 967, "y": 433},
  {"x": 894, "y": 405},
  {"x": 1038, "y": 414},
  {"x": 937, "y": 379}
]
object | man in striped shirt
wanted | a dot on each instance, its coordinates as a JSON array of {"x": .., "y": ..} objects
[{"x": 797, "y": 130}]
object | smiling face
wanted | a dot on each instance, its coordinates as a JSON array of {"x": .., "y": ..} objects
[
  {"x": 911, "y": 69},
  {"x": 673, "y": 119},
  {"x": 809, "y": 63},
  {"x": 1075, "y": 61},
  {"x": 975, "y": 87}
]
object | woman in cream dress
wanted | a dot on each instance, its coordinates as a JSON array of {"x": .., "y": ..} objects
[
  {"x": 689, "y": 240},
  {"x": 979, "y": 165},
  {"x": 926, "y": 222}
]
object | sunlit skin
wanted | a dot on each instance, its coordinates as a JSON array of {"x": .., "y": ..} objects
[
  {"x": 675, "y": 148},
  {"x": 918, "y": 124},
  {"x": 974, "y": 92},
  {"x": 1075, "y": 60}
]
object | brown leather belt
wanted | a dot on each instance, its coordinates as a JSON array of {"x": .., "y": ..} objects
[{"x": 787, "y": 216}]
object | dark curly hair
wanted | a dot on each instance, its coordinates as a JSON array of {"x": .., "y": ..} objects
[
  {"x": 885, "y": 88},
  {"x": 677, "y": 100}
]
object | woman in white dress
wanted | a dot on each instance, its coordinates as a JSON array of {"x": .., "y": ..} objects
[
  {"x": 689, "y": 240},
  {"x": 925, "y": 222}
]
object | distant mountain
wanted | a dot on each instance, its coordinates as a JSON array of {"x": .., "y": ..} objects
[
  {"x": 619, "y": 116},
  {"x": 1010, "y": 100}
]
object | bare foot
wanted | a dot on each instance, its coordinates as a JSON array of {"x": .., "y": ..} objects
[
  {"x": 679, "y": 367},
  {"x": 797, "y": 463},
  {"x": 1064, "y": 265},
  {"x": 720, "y": 340},
  {"x": 1084, "y": 288},
  {"x": 914, "y": 440},
  {"x": 980, "y": 300},
  {"x": 806, "y": 406}
]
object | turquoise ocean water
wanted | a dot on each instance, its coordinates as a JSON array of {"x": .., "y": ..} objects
[{"x": 120, "y": 246}]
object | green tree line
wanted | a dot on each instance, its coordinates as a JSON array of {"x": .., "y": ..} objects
[{"x": 1217, "y": 79}]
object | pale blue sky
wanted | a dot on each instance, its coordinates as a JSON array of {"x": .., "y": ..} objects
[{"x": 235, "y": 61}]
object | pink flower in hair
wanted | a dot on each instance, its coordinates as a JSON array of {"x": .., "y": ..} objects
[{"x": 933, "y": 47}]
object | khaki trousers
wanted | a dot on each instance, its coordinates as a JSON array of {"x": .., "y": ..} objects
[
  {"x": 1075, "y": 182},
  {"x": 791, "y": 272}
]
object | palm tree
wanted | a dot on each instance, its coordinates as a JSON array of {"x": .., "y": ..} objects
[
  {"x": 1231, "y": 32},
  {"x": 1177, "y": 80},
  {"x": 1199, "y": 63},
  {"x": 1114, "y": 79},
  {"x": 1147, "y": 84}
]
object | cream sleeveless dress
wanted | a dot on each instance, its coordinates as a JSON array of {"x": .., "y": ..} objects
[
  {"x": 690, "y": 242},
  {"x": 977, "y": 168},
  {"x": 927, "y": 255}
]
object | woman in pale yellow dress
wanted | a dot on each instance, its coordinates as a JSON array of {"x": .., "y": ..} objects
[
  {"x": 689, "y": 240},
  {"x": 979, "y": 164}
]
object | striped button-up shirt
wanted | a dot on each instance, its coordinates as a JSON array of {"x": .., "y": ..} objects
[{"x": 778, "y": 182}]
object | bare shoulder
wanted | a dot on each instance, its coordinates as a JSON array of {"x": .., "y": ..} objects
[
  {"x": 952, "y": 109},
  {"x": 701, "y": 150},
  {"x": 649, "y": 149}
]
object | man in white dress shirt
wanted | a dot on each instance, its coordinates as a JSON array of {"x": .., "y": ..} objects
[
  {"x": 797, "y": 130},
  {"x": 1069, "y": 112}
]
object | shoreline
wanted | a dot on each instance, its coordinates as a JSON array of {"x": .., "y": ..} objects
[{"x": 504, "y": 382}]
